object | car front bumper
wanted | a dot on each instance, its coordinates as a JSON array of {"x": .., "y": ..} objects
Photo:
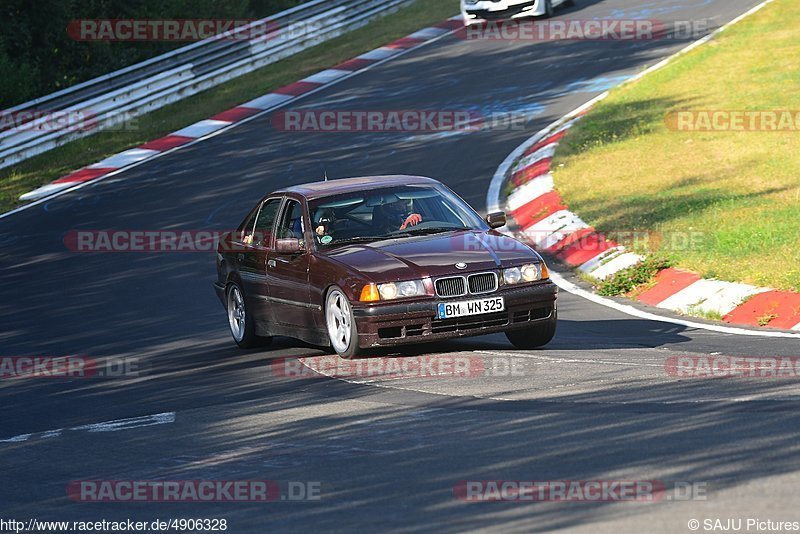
[
  {"x": 485, "y": 11},
  {"x": 417, "y": 322}
]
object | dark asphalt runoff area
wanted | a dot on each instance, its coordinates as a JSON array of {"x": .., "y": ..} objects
[{"x": 384, "y": 453}]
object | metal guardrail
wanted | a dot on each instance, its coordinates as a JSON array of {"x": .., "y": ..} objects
[{"x": 126, "y": 93}]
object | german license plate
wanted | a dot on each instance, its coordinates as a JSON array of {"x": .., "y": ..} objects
[{"x": 448, "y": 310}]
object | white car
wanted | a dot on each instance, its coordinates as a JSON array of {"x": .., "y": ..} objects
[{"x": 476, "y": 11}]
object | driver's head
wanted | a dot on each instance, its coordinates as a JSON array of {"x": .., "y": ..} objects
[{"x": 399, "y": 207}]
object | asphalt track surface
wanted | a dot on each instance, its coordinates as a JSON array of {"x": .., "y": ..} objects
[{"x": 595, "y": 404}]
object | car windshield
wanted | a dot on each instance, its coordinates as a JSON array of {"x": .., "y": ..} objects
[{"x": 366, "y": 216}]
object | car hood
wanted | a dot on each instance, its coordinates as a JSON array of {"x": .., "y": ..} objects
[{"x": 435, "y": 255}]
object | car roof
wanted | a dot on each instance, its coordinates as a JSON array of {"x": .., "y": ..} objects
[{"x": 349, "y": 185}]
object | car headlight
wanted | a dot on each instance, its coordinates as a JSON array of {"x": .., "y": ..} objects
[
  {"x": 512, "y": 275},
  {"x": 530, "y": 272},
  {"x": 401, "y": 290}
]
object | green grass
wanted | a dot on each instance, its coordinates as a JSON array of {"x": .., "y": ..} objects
[
  {"x": 632, "y": 278},
  {"x": 696, "y": 311},
  {"x": 764, "y": 320},
  {"x": 623, "y": 170},
  {"x": 51, "y": 165}
]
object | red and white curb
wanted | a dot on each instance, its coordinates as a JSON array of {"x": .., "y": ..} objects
[
  {"x": 546, "y": 222},
  {"x": 247, "y": 111}
]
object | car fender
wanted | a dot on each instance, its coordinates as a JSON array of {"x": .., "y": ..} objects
[{"x": 326, "y": 273}]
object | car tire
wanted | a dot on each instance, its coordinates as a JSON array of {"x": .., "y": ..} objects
[
  {"x": 534, "y": 336},
  {"x": 240, "y": 320},
  {"x": 340, "y": 324},
  {"x": 569, "y": 3}
]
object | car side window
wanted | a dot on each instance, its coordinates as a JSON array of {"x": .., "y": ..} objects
[
  {"x": 265, "y": 222},
  {"x": 291, "y": 226},
  {"x": 245, "y": 230}
]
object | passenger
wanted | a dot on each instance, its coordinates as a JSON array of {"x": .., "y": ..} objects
[{"x": 323, "y": 228}]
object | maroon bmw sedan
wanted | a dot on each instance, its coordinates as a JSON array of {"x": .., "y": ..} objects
[{"x": 379, "y": 261}]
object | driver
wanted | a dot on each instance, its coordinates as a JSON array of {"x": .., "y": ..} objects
[{"x": 400, "y": 214}]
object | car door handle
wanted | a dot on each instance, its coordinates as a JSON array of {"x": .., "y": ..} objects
[{"x": 271, "y": 263}]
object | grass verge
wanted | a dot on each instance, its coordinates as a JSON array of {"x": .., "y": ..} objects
[
  {"x": 631, "y": 279},
  {"x": 30, "y": 174},
  {"x": 724, "y": 204}
]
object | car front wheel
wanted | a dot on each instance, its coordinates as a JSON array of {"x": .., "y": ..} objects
[
  {"x": 534, "y": 336},
  {"x": 341, "y": 324}
]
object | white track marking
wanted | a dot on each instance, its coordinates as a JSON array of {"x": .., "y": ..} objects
[
  {"x": 554, "y": 228},
  {"x": 265, "y": 102},
  {"x": 45, "y": 190},
  {"x": 380, "y": 54},
  {"x": 124, "y": 158},
  {"x": 201, "y": 128},
  {"x": 595, "y": 402},
  {"x": 601, "y": 257},
  {"x": 107, "y": 426},
  {"x": 327, "y": 76},
  {"x": 545, "y": 152},
  {"x": 428, "y": 33},
  {"x": 711, "y": 296},
  {"x": 565, "y": 360},
  {"x": 527, "y": 193},
  {"x": 17, "y": 439},
  {"x": 623, "y": 261},
  {"x": 635, "y": 312}
]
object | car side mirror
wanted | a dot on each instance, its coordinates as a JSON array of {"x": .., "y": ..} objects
[
  {"x": 496, "y": 219},
  {"x": 290, "y": 246}
]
